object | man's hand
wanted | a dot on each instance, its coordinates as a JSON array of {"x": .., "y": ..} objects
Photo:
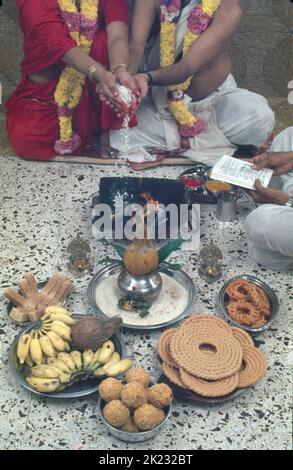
[
  {"x": 142, "y": 84},
  {"x": 280, "y": 162},
  {"x": 268, "y": 195}
]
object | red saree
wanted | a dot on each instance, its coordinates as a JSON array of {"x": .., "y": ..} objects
[{"x": 32, "y": 121}]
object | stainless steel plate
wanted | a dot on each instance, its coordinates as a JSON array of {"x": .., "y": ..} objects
[
  {"x": 9, "y": 306},
  {"x": 180, "y": 276},
  {"x": 273, "y": 299},
  {"x": 76, "y": 390}
]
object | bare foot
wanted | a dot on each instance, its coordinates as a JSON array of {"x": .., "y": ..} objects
[{"x": 106, "y": 152}]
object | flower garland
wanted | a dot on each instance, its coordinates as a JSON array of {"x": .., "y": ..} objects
[
  {"x": 82, "y": 27},
  {"x": 198, "y": 21}
]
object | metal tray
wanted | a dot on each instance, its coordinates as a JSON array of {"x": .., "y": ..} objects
[
  {"x": 273, "y": 299},
  {"x": 9, "y": 306},
  {"x": 76, "y": 390},
  {"x": 180, "y": 276}
]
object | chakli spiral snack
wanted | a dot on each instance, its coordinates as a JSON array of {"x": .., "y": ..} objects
[
  {"x": 163, "y": 347},
  {"x": 209, "y": 388},
  {"x": 186, "y": 349},
  {"x": 173, "y": 375},
  {"x": 247, "y": 303},
  {"x": 206, "y": 321},
  {"x": 210, "y": 358},
  {"x": 254, "y": 367},
  {"x": 243, "y": 337}
]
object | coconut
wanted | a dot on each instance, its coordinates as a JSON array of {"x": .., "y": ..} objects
[
  {"x": 91, "y": 333},
  {"x": 141, "y": 257}
]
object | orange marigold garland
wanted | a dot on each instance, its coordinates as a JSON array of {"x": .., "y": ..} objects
[{"x": 82, "y": 26}]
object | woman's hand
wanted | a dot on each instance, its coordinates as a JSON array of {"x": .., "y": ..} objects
[
  {"x": 280, "y": 162},
  {"x": 268, "y": 195},
  {"x": 108, "y": 92}
]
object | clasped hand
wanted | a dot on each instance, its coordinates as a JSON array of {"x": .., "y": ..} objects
[{"x": 109, "y": 94}]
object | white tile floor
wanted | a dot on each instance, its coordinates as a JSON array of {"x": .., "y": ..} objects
[{"x": 43, "y": 206}]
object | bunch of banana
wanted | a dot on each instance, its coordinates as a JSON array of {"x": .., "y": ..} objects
[
  {"x": 53, "y": 335},
  {"x": 64, "y": 369}
]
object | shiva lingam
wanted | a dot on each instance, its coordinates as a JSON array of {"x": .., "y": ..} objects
[{"x": 140, "y": 280}]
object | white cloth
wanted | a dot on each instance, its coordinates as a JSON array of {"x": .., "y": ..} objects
[
  {"x": 269, "y": 228},
  {"x": 232, "y": 116}
]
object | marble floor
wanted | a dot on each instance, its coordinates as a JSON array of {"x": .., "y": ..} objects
[{"x": 43, "y": 206}]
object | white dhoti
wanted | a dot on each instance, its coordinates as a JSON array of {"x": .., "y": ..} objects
[
  {"x": 232, "y": 116},
  {"x": 269, "y": 228}
]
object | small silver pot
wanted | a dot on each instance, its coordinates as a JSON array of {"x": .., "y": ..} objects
[{"x": 142, "y": 288}]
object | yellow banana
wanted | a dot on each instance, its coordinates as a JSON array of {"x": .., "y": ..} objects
[
  {"x": 59, "y": 365},
  {"x": 57, "y": 309},
  {"x": 60, "y": 331},
  {"x": 45, "y": 317},
  {"x": 62, "y": 325},
  {"x": 23, "y": 347},
  {"x": 67, "y": 346},
  {"x": 120, "y": 368},
  {"x": 43, "y": 385},
  {"x": 47, "y": 346},
  {"x": 44, "y": 372},
  {"x": 36, "y": 350},
  {"x": 77, "y": 358},
  {"x": 29, "y": 361},
  {"x": 88, "y": 358},
  {"x": 99, "y": 372},
  {"x": 64, "y": 378},
  {"x": 64, "y": 318},
  {"x": 115, "y": 358},
  {"x": 67, "y": 359},
  {"x": 106, "y": 352},
  {"x": 97, "y": 353},
  {"x": 57, "y": 342}
]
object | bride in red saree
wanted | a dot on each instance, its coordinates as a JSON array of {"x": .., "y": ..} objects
[{"x": 73, "y": 50}]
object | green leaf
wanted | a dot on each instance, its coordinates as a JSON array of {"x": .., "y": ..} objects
[
  {"x": 144, "y": 313},
  {"x": 171, "y": 266},
  {"x": 166, "y": 250}
]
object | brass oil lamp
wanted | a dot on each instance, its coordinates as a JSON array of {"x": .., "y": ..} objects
[{"x": 210, "y": 259}]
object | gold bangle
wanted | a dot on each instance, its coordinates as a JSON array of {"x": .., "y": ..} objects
[
  {"x": 92, "y": 70},
  {"x": 114, "y": 68}
]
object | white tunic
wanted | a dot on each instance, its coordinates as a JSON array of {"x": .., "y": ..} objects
[{"x": 269, "y": 228}]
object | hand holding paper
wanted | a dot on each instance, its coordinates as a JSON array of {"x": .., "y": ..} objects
[{"x": 240, "y": 173}]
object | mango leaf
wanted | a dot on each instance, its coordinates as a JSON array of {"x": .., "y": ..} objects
[
  {"x": 166, "y": 250},
  {"x": 171, "y": 266}
]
